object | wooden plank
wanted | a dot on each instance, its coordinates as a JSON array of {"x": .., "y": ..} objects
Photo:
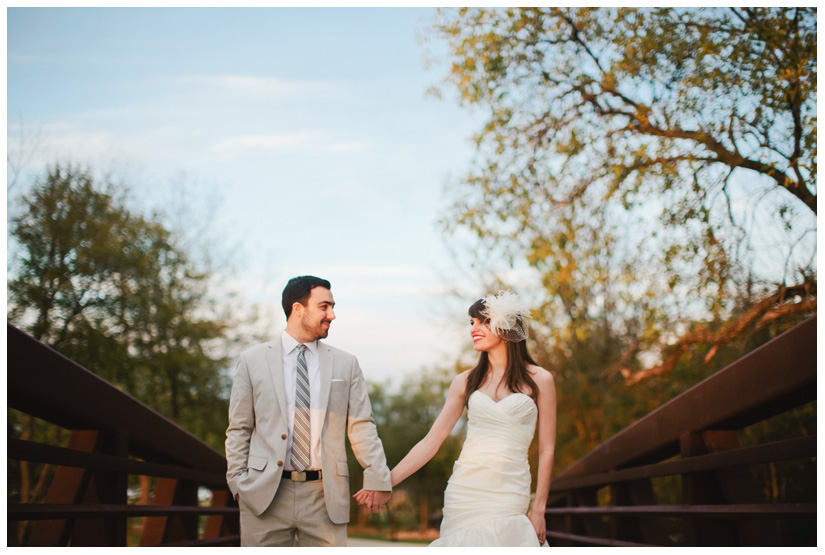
[
  {"x": 771, "y": 510},
  {"x": 789, "y": 449},
  {"x": 155, "y": 527},
  {"x": 39, "y": 452},
  {"x": 43, "y": 511}
]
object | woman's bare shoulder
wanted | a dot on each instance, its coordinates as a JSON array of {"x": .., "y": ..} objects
[
  {"x": 460, "y": 380},
  {"x": 541, "y": 376}
]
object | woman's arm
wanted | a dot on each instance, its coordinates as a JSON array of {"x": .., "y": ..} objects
[
  {"x": 426, "y": 449},
  {"x": 547, "y": 447}
]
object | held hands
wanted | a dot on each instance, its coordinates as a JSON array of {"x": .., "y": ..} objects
[{"x": 374, "y": 500}]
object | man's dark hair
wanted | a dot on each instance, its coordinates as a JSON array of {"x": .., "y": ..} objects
[{"x": 298, "y": 290}]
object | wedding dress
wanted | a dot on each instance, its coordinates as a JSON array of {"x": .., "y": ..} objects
[{"x": 488, "y": 494}]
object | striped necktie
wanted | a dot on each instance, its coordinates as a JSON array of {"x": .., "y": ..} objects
[{"x": 300, "y": 424}]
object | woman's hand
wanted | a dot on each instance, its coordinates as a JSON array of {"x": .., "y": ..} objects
[{"x": 537, "y": 519}]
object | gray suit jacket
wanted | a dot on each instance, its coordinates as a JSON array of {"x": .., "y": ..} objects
[{"x": 256, "y": 436}]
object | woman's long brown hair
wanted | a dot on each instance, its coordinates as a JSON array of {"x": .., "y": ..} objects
[{"x": 516, "y": 375}]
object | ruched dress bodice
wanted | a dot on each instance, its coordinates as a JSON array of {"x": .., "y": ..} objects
[{"x": 488, "y": 494}]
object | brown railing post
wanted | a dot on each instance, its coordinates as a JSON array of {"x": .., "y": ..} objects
[
  {"x": 703, "y": 488},
  {"x": 740, "y": 487},
  {"x": 171, "y": 529},
  {"x": 637, "y": 530},
  {"x": 184, "y": 527},
  {"x": 730, "y": 486},
  {"x": 588, "y": 525},
  {"x": 103, "y": 487},
  {"x": 219, "y": 525}
]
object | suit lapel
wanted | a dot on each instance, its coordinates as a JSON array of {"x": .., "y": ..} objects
[
  {"x": 326, "y": 361},
  {"x": 276, "y": 371}
]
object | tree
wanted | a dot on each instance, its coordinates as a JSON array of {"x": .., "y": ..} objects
[
  {"x": 113, "y": 291},
  {"x": 657, "y": 167},
  {"x": 20, "y": 155}
]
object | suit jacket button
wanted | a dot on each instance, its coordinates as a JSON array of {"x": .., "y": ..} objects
[
  {"x": 283, "y": 436},
  {"x": 280, "y": 463}
]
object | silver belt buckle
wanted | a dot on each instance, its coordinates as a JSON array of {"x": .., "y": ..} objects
[{"x": 298, "y": 476}]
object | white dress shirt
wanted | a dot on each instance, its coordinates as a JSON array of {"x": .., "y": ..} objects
[{"x": 289, "y": 351}]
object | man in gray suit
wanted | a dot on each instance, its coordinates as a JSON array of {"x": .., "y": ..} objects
[{"x": 293, "y": 401}]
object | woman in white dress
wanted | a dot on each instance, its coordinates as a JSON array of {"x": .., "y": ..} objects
[{"x": 488, "y": 495}]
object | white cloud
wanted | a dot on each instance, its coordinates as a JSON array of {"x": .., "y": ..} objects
[
  {"x": 268, "y": 143},
  {"x": 248, "y": 85},
  {"x": 73, "y": 145},
  {"x": 347, "y": 190},
  {"x": 349, "y": 146},
  {"x": 66, "y": 141},
  {"x": 301, "y": 141},
  {"x": 394, "y": 290},
  {"x": 376, "y": 271}
]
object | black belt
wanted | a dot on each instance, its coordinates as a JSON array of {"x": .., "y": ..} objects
[{"x": 305, "y": 476}]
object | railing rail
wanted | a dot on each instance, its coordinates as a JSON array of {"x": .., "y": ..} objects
[
  {"x": 113, "y": 436},
  {"x": 693, "y": 438}
]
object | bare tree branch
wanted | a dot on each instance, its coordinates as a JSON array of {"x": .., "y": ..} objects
[{"x": 758, "y": 316}]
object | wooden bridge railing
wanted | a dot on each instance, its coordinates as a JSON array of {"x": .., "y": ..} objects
[
  {"x": 608, "y": 497},
  {"x": 691, "y": 446},
  {"x": 113, "y": 436}
]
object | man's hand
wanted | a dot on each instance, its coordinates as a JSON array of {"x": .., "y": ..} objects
[{"x": 374, "y": 500}]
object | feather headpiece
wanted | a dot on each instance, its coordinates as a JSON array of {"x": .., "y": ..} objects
[{"x": 506, "y": 313}]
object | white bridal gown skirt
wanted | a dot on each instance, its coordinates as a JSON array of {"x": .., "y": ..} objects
[{"x": 488, "y": 494}]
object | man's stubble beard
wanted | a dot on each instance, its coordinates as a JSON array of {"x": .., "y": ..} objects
[{"x": 314, "y": 332}]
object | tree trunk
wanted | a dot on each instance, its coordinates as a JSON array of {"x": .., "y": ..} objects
[{"x": 423, "y": 512}]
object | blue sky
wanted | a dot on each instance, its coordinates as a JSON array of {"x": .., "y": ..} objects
[{"x": 312, "y": 127}]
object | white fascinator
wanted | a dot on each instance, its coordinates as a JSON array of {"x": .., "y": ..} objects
[{"x": 506, "y": 313}]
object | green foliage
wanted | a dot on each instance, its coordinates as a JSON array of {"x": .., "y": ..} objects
[{"x": 114, "y": 291}]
